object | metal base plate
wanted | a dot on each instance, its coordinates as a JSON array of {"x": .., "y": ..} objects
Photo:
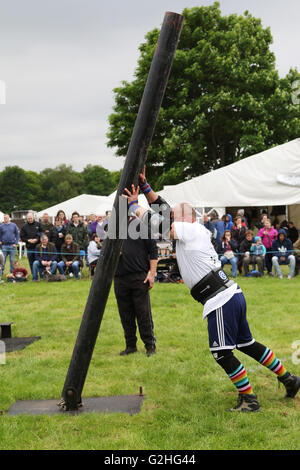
[
  {"x": 130, "y": 404},
  {"x": 17, "y": 344}
]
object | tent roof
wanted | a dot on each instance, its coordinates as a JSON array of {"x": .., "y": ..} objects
[
  {"x": 84, "y": 204},
  {"x": 270, "y": 178}
]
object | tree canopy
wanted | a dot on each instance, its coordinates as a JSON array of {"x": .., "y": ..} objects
[
  {"x": 224, "y": 101},
  {"x": 23, "y": 190}
]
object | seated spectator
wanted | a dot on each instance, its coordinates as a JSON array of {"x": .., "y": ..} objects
[
  {"x": 244, "y": 249},
  {"x": 57, "y": 236},
  {"x": 282, "y": 254},
  {"x": 227, "y": 250},
  {"x": 19, "y": 274},
  {"x": 70, "y": 257},
  {"x": 268, "y": 234},
  {"x": 292, "y": 232},
  {"x": 297, "y": 255},
  {"x": 238, "y": 231},
  {"x": 46, "y": 225},
  {"x": 257, "y": 254},
  {"x": 94, "y": 249},
  {"x": 45, "y": 258}
]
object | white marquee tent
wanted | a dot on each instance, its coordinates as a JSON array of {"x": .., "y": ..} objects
[
  {"x": 1, "y": 216},
  {"x": 84, "y": 204},
  {"x": 270, "y": 178}
]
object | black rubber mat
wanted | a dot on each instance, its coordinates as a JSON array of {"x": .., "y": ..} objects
[
  {"x": 17, "y": 344},
  {"x": 130, "y": 404}
]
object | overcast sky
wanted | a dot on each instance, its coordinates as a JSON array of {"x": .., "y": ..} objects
[{"x": 61, "y": 59}]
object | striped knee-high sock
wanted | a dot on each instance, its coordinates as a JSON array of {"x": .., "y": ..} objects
[
  {"x": 270, "y": 361},
  {"x": 240, "y": 380}
]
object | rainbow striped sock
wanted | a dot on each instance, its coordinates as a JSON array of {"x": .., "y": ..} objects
[
  {"x": 240, "y": 380},
  {"x": 270, "y": 361}
]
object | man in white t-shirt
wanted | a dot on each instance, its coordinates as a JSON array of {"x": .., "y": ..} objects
[{"x": 223, "y": 300}]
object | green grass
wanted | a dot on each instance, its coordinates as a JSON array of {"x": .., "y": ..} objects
[{"x": 186, "y": 393}]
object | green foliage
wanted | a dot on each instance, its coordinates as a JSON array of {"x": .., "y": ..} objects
[
  {"x": 224, "y": 101},
  {"x": 23, "y": 190},
  {"x": 98, "y": 180}
]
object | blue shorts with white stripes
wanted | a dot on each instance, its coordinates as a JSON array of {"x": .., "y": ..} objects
[{"x": 228, "y": 326}]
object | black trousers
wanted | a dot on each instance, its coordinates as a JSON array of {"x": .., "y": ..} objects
[{"x": 134, "y": 306}]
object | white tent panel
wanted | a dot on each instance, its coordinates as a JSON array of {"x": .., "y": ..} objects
[
  {"x": 1, "y": 216},
  {"x": 85, "y": 204},
  {"x": 253, "y": 181}
]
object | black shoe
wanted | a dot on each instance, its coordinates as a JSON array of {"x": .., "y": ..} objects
[
  {"x": 291, "y": 383},
  {"x": 246, "y": 403},
  {"x": 150, "y": 352},
  {"x": 128, "y": 351}
]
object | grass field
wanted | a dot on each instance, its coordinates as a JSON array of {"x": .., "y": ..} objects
[{"x": 186, "y": 393}]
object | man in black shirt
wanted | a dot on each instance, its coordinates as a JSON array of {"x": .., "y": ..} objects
[
  {"x": 30, "y": 234},
  {"x": 134, "y": 278}
]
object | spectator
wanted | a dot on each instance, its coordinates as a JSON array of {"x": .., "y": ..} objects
[
  {"x": 297, "y": 255},
  {"x": 134, "y": 278},
  {"x": 57, "y": 236},
  {"x": 91, "y": 227},
  {"x": 19, "y": 274},
  {"x": 238, "y": 231},
  {"x": 261, "y": 223},
  {"x": 30, "y": 234},
  {"x": 62, "y": 217},
  {"x": 79, "y": 233},
  {"x": 282, "y": 254},
  {"x": 245, "y": 246},
  {"x": 1, "y": 266},
  {"x": 268, "y": 234},
  {"x": 9, "y": 238},
  {"x": 285, "y": 226},
  {"x": 228, "y": 222},
  {"x": 101, "y": 227},
  {"x": 219, "y": 225},
  {"x": 45, "y": 258},
  {"x": 46, "y": 225},
  {"x": 292, "y": 233},
  {"x": 241, "y": 213},
  {"x": 94, "y": 249},
  {"x": 258, "y": 253},
  {"x": 228, "y": 249},
  {"x": 70, "y": 257},
  {"x": 209, "y": 225}
]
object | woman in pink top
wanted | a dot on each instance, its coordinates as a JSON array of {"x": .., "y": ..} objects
[{"x": 268, "y": 234}]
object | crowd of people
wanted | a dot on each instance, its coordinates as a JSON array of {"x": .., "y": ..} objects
[
  {"x": 265, "y": 248},
  {"x": 66, "y": 245},
  {"x": 63, "y": 246}
]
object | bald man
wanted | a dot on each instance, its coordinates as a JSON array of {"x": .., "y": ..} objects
[{"x": 223, "y": 300}]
